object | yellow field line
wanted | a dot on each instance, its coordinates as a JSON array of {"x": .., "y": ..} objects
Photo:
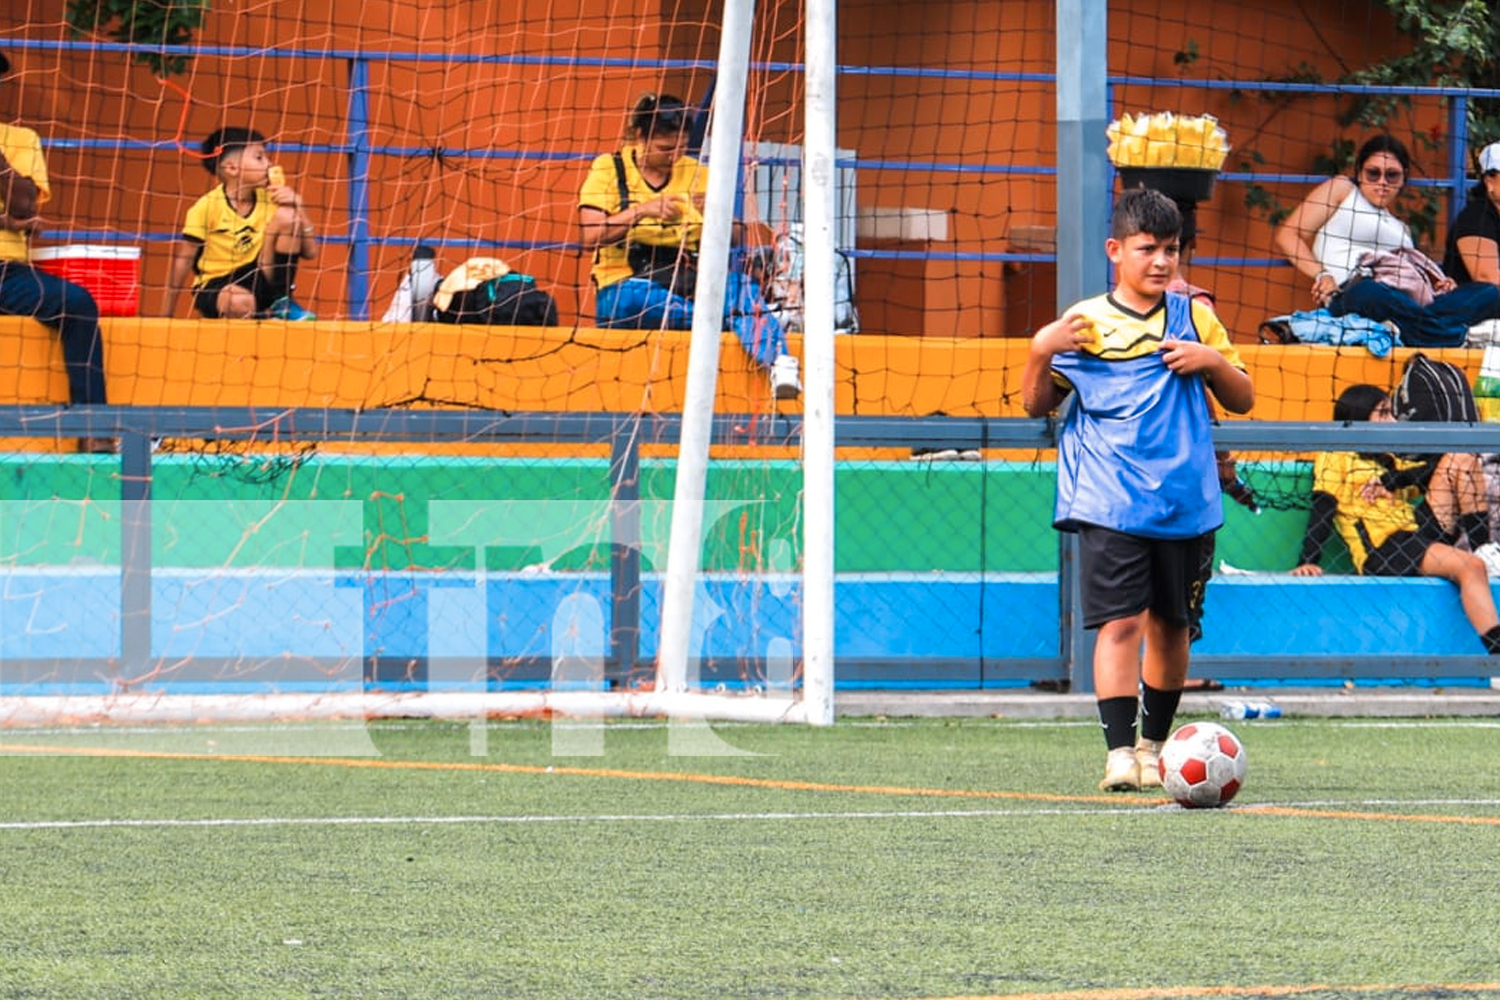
[
  {"x": 739, "y": 782},
  {"x": 583, "y": 772},
  {"x": 1344, "y": 814},
  {"x": 1188, "y": 992}
]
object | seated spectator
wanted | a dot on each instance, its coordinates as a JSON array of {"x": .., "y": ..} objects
[
  {"x": 242, "y": 241},
  {"x": 641, "y": 214},
  {"x": 1473, "y": 250},
  {"x": 1368, "y": 499},
  {"x": 1343, "y": 218},
  {"x": 29, "y": 291},
  {"x": 1455, "y": 492}
]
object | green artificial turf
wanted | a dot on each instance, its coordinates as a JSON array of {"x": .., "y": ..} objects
[{"x": 872, "y": 859}]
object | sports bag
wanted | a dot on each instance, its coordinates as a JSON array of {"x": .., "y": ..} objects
[
  {"x": 484, "y": 290},
  {"x": 1433, "y": 391}
]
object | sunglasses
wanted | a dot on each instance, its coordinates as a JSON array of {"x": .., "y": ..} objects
[
  {"x": 669, "y": 119},
  {"x": 1392, "y": 175},
  {"x": 1492, "y": 173}
]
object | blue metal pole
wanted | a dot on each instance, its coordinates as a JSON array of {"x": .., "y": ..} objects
[
  {"x": 1458, "y": 161},
  {"x": 358, "y": 135},
  {"x": 1083, "y": 200}
]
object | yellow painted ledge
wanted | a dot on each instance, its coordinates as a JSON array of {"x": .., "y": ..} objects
[{"x": 156, "y": 362}]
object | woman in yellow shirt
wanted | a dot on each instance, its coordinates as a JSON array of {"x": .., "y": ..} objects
[{"x": 641, "y": 213}]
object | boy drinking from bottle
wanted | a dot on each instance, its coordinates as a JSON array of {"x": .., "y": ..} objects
[{"x": 242, "y": 241}]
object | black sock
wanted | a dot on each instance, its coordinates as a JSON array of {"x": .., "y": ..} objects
[
  {"x": 1158, "y": 709},
  {"x": 1492, "y": 641},
  {"x": 1117, "y": 716},
  {"x": 1476, "y": 528},
  {"x": 284, "y": 274}
]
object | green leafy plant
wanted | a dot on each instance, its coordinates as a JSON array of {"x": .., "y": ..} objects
[
  {"x": 153, "y": 23},
  {"x": 1452, "y": 43}
]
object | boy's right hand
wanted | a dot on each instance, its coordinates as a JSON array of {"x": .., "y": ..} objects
[{"x": 1069, "y": 332}]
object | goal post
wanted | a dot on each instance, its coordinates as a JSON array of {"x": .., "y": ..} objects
[
  {"x": 820, "y": 200},
  {"x": 819, "y": 194}
]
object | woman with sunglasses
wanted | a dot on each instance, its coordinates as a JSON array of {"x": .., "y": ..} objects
[
  {"x": 641, "y": 213},
  {"x": 1345, "y": 217}
]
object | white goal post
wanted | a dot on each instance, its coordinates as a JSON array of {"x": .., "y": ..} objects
[{"x": 819, "y": 209}]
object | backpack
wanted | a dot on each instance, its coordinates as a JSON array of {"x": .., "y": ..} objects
[
  {"x": 779, "y": 270},
  {"x": 1434, "y": 391},
  {"x": 484, "y": 290}
]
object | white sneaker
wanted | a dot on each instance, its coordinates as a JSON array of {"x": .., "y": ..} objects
[
  {"x": 1148, "y": 757},
  {"x": 1122, "y": 771},
  {"x": 1489, "y": 554},
  {"x": 785, "y": 382}
]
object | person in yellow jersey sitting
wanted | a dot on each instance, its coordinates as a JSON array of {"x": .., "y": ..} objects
[
  {"x": 641, "y": 213},
  {"x": 1369, "y": 499},
  {"x": 242, "y": 241},
  {"x": 27, "y": 290}
]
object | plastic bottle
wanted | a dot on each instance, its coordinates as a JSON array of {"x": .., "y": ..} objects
[
  {"x": 1249, "y": 710},
  {"x": 424, "y": 282},
  {"x": 1487, "y": 386},
  {"x": 1243, "y": 495}
]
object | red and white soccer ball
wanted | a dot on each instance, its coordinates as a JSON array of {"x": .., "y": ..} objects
[{"x": 1202, "y": 765}]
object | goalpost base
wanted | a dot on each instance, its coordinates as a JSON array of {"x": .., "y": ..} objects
[{"x": 158, "y": 709}]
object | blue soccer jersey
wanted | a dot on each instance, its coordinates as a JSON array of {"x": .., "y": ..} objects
[{"x": 1135, "y": 452}]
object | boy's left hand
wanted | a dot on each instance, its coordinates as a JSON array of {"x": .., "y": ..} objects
[{"x": 1188, "y": 357}]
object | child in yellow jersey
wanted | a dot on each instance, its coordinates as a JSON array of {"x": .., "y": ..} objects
[
  {"x": 242, "y": 241},
  {"x": 1368, "y": 499},
  {"x": 1136, "y": 476}
]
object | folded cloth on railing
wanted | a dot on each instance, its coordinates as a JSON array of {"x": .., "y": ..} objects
[{"x": 1319, "y": 326}]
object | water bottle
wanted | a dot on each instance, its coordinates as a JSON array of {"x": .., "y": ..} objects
[
  {"x": 424, "y": 282},
  {"x": 1249, "y": 710},
  {"x": 1243, "y": 495},
  {"x": 1487, "y": 386}
]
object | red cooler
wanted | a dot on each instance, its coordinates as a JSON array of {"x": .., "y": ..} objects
[{"x": 111, "y": 273}]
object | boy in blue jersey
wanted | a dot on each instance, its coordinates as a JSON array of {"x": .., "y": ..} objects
[{"x": 1136, "y": 474}]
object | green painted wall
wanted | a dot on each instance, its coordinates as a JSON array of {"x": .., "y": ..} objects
[{"x": 400, "y": 512}]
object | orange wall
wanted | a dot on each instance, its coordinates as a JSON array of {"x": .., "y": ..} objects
[{"x": 425, "y": 113}]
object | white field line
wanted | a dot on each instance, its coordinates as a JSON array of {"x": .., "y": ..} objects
[
  {"x": 739, "y": 817},
  {"x": 619, "y": 725},
  {"x": 758, "y": 817}
]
